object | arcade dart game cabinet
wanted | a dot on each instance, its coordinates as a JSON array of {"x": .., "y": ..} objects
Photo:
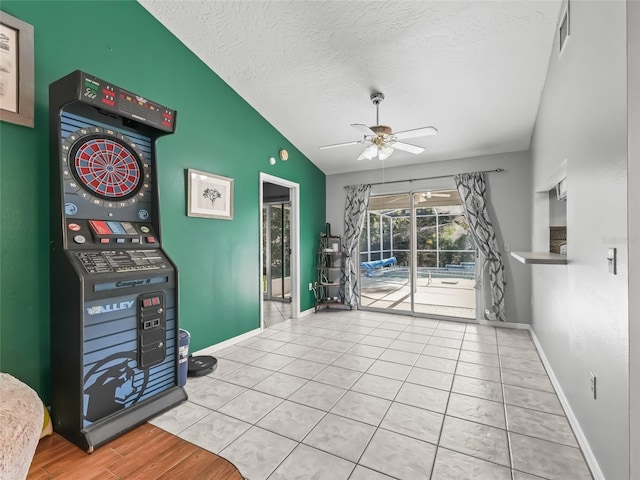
[{"x": 114, "y": 291}]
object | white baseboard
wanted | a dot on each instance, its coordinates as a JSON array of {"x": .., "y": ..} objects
[
  {"x": 517, "y": 326},
  {"x": 577, "y": 430},
  {"x": 227, "y": 343},
  {"x": 232, "y": 341},
  {"x": 307, "y": 312}
]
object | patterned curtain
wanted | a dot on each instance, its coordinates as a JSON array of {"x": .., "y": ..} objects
[
  {"x": 472, "y": 189},
  {"x": 354, "y": 215}
]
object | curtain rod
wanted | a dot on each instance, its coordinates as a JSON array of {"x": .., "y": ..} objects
[{"x": 497, "y": 170}]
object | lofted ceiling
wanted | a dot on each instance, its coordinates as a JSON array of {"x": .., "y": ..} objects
[{"x": 475, "y": 70}]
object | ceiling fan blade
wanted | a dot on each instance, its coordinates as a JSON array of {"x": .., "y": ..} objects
[
  {"x": 407, "y": 147},
  {"x": 369, "y": 152},
  {"x": 363, "y": 129},
  {"x": 346, "y": 144},
  {"x": 416, "y": 132}
]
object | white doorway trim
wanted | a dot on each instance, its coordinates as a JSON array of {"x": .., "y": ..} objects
[
  {"x": 633, "y": 180},
  {"x": 294, "y": 197}
]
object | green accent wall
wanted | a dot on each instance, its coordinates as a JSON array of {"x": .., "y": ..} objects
[{"x": 217, "y": 131}]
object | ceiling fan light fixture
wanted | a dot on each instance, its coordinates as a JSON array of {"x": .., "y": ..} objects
[
  {"x": 384, "y": 152},
  {"x": 369, "y": 153}
]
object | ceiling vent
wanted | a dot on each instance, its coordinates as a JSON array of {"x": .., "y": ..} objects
[{"x": 563, "y": 30}]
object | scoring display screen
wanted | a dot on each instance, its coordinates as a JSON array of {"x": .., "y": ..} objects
[{"x": 109, "y": 97}]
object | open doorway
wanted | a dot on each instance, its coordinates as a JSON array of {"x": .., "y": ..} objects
[
  {"x": 278, "y": 250},
  {"x": 276, "y": 245}
]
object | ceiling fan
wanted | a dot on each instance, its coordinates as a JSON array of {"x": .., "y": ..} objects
[{"x": 380, "y": 139}]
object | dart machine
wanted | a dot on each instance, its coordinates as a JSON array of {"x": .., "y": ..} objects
[{"x": 114, "y": 298}]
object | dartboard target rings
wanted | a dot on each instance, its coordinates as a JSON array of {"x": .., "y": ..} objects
[{"x": 105, "y": 167}]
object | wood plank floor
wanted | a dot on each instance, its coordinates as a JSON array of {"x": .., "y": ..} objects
[{"x": 145, "y": 453}]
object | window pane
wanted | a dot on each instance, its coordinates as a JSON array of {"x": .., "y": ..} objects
[
  {"x": 374, "y": 231},
  {"x": 386, "y": 232},
  {"x": 401, "y": 235}
]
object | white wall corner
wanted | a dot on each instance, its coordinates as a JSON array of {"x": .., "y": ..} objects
[{"x": 573, "y": 421}]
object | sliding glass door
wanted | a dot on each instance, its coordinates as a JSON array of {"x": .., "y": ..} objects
[
  {"x": 417, "y": 255},
  {"x": 277, "y": 252}
]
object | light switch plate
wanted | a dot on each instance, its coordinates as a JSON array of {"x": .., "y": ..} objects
[{"x": 612, "y": 259}]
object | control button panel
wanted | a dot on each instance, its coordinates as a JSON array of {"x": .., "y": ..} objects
[
  {"x": 119, "y": 261},
  {"x": 119, "y": 234}
]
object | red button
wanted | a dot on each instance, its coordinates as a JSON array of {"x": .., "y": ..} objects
[
  {"x": 151, "y": 239},
  {"x": 100, "y": 227},
  {"x": 74, "y": 227},
  {"x": 104, "y": 240},
  {"x": 155, "y": 301},
  {"x": 146, "y": 302}
]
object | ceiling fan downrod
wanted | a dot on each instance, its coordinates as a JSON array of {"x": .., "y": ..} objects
[{"x": 377, "y": 98}]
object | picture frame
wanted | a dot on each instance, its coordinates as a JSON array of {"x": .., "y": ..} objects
[
  {"x": 16, "y": 71},
  {"x": 209, "y": 195}
]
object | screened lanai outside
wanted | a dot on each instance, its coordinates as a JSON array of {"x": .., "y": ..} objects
[{"x": 417, "y": 255}]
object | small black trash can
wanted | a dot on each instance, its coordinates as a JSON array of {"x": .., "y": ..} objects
[{"x": 183, "y": 356}]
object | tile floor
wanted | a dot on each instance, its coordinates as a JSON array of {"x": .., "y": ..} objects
[
  {"x": 358, "y": 395},
  {"x": 452, "y": 297},
  {"x": 275, "y": 312}
]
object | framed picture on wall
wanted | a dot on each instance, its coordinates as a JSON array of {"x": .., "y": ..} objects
[
  {"x": 209, "y": 195},
  {"x": 16, "y": 71}
]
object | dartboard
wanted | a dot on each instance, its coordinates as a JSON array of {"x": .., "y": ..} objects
[{"x": 105, "y": 167}]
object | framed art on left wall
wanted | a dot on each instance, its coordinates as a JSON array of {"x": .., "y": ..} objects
[
  {"x": 209, "y": 195},
  {"x": 16, "y": 71}
]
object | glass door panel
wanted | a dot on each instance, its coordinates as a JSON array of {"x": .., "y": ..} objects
[
  {"x": 417, "y": 255},
  {"x": 385, "y": 254},
  {"x": 277, "y": 283}
]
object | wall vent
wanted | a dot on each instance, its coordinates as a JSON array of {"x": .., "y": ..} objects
[{"x": 563, "y": 30}]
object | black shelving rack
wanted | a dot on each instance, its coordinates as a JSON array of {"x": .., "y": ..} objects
[{"x": 330, "y": 264}]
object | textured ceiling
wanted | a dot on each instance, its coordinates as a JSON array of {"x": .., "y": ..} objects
[{"x": 473, "y": 69}]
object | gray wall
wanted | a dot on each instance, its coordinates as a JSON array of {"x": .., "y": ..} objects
[
  {"x": 633, "y": 104},
  {"x": 509, "y": 196},
  {"x": 580, "y": 311},
  {"x": 557, "y": 210}
]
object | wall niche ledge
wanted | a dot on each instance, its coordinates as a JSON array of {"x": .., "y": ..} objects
[{"x": 542, "y": 258}]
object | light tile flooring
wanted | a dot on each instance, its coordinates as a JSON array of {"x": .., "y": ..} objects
[
  {"x": 370, "y": 396},
  {"x": 275, "y": 312},
  {"x": 450, "y": 297}
]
